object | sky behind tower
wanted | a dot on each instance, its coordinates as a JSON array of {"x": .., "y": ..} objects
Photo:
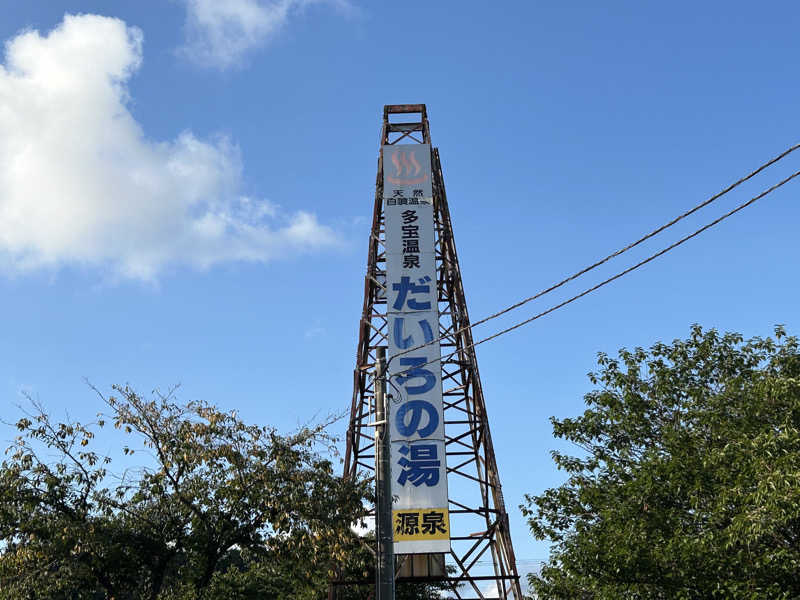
[{"x": 186, "y": 192}]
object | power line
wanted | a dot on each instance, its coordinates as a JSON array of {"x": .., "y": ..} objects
[
  {"x": 610, "y": 256},
  {"x": 612, "y": 278}
]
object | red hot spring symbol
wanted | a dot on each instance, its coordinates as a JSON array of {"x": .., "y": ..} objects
[{"x": 406, "y": 168}]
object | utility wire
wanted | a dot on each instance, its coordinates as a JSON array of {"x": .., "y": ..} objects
[
  {"x": 610, "y": 256},
  {"x": 610, "y": 279}
]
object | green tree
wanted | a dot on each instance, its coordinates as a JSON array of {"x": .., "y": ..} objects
[
  {"x": 688, "y": 483},
  {"x": 222, "y": 509}
]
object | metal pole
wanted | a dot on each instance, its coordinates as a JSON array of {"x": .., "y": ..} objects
[{"x": 384, "y": 572}]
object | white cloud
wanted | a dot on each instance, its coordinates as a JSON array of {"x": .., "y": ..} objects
[
  {"x": 81, "y": 184},
  {"x": 491, "y": 590},
  {"x": 220, "y": 32}
]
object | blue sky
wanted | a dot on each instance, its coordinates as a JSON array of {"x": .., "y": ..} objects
[{"x": 185, "y": 192}]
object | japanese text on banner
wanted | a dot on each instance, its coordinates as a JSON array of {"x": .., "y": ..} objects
[{"x": 419, "y": 470}]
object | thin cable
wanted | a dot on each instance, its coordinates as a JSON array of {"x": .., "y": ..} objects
[
  {"x": 610, "y": 256},
  {"x": 610, "y": 279}
]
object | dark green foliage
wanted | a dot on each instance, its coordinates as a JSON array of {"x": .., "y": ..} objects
[
  {"x": 688, "y": 485},
  {"x": 221, "y": 509}
]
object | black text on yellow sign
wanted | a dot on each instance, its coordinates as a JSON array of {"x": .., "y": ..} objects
[{"x": 421, "y": 524}]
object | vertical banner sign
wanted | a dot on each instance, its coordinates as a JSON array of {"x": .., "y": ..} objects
[{"x": 420, "y": 518}]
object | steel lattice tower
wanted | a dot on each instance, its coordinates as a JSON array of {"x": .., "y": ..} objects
[{"x": 481, "y": 549}]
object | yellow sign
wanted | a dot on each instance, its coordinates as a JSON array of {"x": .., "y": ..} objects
[{"x": 421, "y": 524}]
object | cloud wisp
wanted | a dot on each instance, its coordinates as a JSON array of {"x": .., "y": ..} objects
[
  {"x": 81, "y": 183},
  {"x": 220, "y": 34}
]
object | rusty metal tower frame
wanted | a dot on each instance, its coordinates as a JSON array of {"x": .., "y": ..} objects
[{"x": 481, "y": 555}]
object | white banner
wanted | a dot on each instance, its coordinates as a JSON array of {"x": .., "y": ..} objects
[{"x": 420, "y": 514}]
